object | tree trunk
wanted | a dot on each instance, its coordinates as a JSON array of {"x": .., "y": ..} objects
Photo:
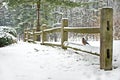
[
  {"x": 38, "y": 19},
  {"x": 38, "y": 15}
]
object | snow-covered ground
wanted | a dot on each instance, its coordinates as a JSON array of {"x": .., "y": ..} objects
[{"x": 27, "y": 61}]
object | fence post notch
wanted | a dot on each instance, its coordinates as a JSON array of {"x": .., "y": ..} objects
[{"x": 106, "y": 38}]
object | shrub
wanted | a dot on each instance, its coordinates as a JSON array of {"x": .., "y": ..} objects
[
  {"x": 9, "y": 30},
  {"x": 7, "y": 36}
]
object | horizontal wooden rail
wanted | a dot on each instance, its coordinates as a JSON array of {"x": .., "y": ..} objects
[
  {"x": 38, "y": 33},
  {"x": 82, "y": 48},
  {"x": 30, "y": 32},
  {"x": 93, "y": 53},
  {"x": 82, "y": 29},
  {"x": 51, "y": 44},
  {"x": 56, "y": 29}
]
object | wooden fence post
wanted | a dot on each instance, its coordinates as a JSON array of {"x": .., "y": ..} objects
[
  {"x": 34, "y": 35},
  {"x": 64, "y": 34},
  {"x": 106, "y": 38},
  {"x": 28, "y": 34},
  {"x": 44, "y": 35},
  {"x": 25, "y": 35}
]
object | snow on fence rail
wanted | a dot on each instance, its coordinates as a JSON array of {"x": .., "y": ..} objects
[
  {"x": 105, "y": 30},
  {"x": 84, "y": 48}
]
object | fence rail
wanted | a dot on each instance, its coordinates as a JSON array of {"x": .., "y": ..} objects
[{"x": 89, "y": 30}]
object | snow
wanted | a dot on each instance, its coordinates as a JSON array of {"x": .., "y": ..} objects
[
  {"x": 57, "y": 25},
  {"x": 27, "y": 61},
  {"x": 87, "y": 47},
  {"x": 7, "y": 35},
  {"x": 57, "y": 12},
  {"x": 9, "y": 30}
]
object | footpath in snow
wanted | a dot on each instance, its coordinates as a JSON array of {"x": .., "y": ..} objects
[{"x": 27, "y": 61}]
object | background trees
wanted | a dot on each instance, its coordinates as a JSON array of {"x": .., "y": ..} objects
[{"x": 79, "y": 12}]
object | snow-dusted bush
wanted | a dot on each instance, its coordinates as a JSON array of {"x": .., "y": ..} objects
[
  {"x": 7, "y": 36},
  {"x": 9, "y": 30}
]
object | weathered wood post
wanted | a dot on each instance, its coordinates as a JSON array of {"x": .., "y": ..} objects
[
  {"x": 34, "y": 35},
  {"x": 106, "y": 38},
  {"x": 44, "y": 35},
  {"x": 25, "y": 35},
  {"x": 64, "y": 34},
  {"x": 28, "y": 34}
]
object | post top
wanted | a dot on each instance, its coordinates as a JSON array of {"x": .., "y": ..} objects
[{"x": 107, "y": 7}]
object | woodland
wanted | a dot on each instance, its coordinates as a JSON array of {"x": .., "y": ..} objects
[{"x": 22, "y": 14}]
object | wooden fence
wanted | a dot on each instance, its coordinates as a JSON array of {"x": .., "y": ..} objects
[{"x": 105, "y": 30}]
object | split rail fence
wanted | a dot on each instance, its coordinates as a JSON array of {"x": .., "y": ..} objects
[{"x": 105, "y": 30}]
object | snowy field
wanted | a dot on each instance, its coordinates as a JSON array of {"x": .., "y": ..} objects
[{"x": 27, "y": 61}]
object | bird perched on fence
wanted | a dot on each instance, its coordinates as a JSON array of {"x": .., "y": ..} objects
[{"x": 84, "y": 41}]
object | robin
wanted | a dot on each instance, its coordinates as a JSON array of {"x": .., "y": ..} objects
[{"x": 84, "y": 41}]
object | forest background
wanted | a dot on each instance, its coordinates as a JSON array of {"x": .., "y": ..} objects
[{"x": 22, "y": 14}]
